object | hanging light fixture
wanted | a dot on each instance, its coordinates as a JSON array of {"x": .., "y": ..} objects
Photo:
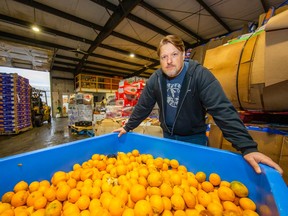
[{"x": 34, "y": 27}]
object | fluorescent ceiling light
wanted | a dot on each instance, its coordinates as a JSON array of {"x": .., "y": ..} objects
[{"x": 35, "y": 28}]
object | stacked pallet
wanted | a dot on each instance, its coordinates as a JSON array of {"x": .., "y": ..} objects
[{"x": 15, "y": 104}]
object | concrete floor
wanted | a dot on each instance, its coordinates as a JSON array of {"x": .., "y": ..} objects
[{"x": 55, "y": 133}]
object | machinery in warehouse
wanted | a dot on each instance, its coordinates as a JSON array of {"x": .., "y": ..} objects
[{"x": 41, "y": 112}]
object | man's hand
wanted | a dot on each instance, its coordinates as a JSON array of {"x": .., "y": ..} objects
[
  {"x": 256, "y": 157},
  {"x": 121, "y": 131}
]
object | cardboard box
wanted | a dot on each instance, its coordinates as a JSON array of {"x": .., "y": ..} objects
[
  {"x": 153, "y": 131},
  {"x": 106, "y": 126},
  {"x": 215, "y": 137},
  {"x": 273, "y": 145},
  {"x": 276, "y": 63}
]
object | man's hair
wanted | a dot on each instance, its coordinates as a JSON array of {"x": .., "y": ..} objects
[{"x": 174, "y": 40}]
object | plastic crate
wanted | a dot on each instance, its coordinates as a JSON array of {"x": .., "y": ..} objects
[{"x": 267, "y": 189}]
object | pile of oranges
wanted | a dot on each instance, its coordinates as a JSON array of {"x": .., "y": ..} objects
[{"x": 128, "y": 184}]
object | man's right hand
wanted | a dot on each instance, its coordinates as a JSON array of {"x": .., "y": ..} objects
[{"x": 121, "y": 131}]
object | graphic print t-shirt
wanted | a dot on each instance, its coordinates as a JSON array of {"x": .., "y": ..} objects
[{"x": 173, "y": 92}]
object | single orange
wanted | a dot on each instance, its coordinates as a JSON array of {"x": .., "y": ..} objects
[
  {"x": 157, "y": 204},
  {"x": 215, "y": 179},
  {"x": 228, "y": 205},
  {"x": 4, "y": 207},
  {"x": 207, "y": 186},
  {"x": 85, "y": 213},
  {"x": 192, "y": 181},
  {"x": 9, "y": 212},
  {"x": 137, "y": 192},
  {"x": 116, "y": 206},
  {"x": 128, "y": 212},
  {"x": 21, "y": 211},
  {"x": 167, "y": 213},
  {"x": 192, "y": 212},
  {"x": 153, "y": 191},
  {"x": 73, "y": 195},
  {"x": 123, "y": 195},
  {"x": 178, "y": 190},
  {"x": 224, "y": 183},
  {"x": 86, "y": 190},
  {"x": 247, "y": 203},
  {"x": 249, "y": 212},
  {"x": 135, "y": 153},
  {"x": 72, "y": 182},
  {"x": 143, "y": 181},
  {"x": 22, "y": 185},
  {"x": 180, "y": 213},
  {"x": 94, "y": 204},
  {"x": 6, "y": 198},
  {"x": 226, "y": 194},
  {"x": 19, "y": 198},
  {"x": 155, "y": 179},
  {"x": 203, "y": 198},
  {"x": 143, "y": 171},
  {"x": 177, "y": 202},
  {"x": 143, "y": 208},
  {"x": 40, "y": 203},
  {"x": 95, "y": 192},
  {"x": 200, "y": 176},
  {"x": 176, "y": 179},
  {"x": 33, "y": 186},
  {"x": 166, "y": 190},
  {"x": 190, "y": 199},
  {"x": 50, "y": 194},
  {"x": 174, "y": 163},
  {"x": 215, "y": 208},
  {"x": 83, "y": 202},
  {"x": 53, "y": 208},
  {"x": 62, "y": 192},
  {"x": 105, "y": 199},
  {"x": 58, "y": 177},
  {"x": 71, "y": 210},
  {"x": 167, "y": 203},
  {"x": 33, "y": 197}
]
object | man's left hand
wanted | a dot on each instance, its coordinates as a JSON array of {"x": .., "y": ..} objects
[{"x": 254, "y": 158}]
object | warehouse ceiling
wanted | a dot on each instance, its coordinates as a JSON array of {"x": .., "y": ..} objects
[{"x": 98, "y": 36}]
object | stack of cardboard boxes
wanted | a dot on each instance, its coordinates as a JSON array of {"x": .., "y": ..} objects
[{"x": 15, "y": 104}]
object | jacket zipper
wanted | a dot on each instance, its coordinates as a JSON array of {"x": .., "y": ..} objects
[
  {"x": 180, "y": 106},
  {"x": 159, "y": 83}
]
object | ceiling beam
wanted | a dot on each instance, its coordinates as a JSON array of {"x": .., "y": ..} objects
[
  {"x": 93, "y": 63},
  {"x": 170, "y": 20},
  {"x": 214, "y": 15},
  {"x": 135, "y": 19},
  {"x": 123, "y": 9},
  {"x": 124, "y": 52},
  {"x": 80, "y": 21},
  {"x": 139, "y": 72},
  {"x": 64, "y": 69}
]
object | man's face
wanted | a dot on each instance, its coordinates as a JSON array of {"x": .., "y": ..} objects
[{"x": 171, "y": 60}]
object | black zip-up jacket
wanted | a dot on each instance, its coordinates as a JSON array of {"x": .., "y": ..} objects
[{"x": 201, "y": 92}]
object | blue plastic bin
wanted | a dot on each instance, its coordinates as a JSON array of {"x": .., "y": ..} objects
[{"x": 268, "y": 189}]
